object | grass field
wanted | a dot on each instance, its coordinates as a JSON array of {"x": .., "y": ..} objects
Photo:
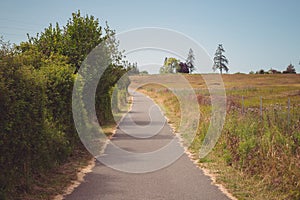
[{"x": 258, "y": 153}]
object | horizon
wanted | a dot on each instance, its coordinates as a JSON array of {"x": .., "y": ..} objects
[{"x": 255, "y": 35}]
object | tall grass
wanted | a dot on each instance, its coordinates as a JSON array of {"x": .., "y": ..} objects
[{"x": 266, "y": 147}]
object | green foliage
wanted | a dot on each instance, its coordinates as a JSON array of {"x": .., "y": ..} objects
[
  {"x": 171, "y": 65},
  {"x": 81, "y": 35},
  {"x": 36, "y": 83},
  {"x": 59, "y": 81},
  {"x": 75, "y": 40},
  {"x": 49, "y": 41},
  {"x": 267, "y": 148},
  {"x": 35, "y": 118},
  {"x": 104, "y": 91},
  {"x": 22, "y": 133}
]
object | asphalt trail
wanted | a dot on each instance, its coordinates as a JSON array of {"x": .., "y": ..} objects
[{"x": 144, "y": 130}]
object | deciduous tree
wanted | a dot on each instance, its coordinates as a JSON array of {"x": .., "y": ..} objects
[{"x": 171, "y": 65}]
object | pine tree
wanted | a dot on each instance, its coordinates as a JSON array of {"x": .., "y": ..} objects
[
  {"x": 190, "y": 61},
  {"x": 220, "y": 61},
  {"x": 290, "y": 69}
]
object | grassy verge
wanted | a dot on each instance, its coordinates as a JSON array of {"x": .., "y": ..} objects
[
  {"x": 256, "y": 157},
  {"x": 53, "y": 182}
]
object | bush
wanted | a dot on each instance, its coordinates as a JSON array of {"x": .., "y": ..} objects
[
  {"x": 22, "y": 136},
  {"x": 36, "y": 83},
  {"x": 36, "y": 124}
]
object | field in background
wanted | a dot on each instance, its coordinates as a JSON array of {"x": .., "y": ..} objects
[{"x": 258, "y": 153}]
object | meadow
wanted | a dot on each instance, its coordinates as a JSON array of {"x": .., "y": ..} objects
[{"x": 258, "y": 153}]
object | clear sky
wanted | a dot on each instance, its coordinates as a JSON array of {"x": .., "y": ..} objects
[{"x": 255, "y": 34}]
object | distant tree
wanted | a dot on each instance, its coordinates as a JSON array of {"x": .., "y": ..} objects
[
  {"x": 261, "y": 71},
  {"x": 144, "y": 72},
  {"x": 133, "y": 69},
  {"x": 174, "y": 63},
  {"x": 165, "y": 69},
  {"x": 184, "y": 68},
  {"x": 190, "y": 62},
  {"x": 220, "y": 61},
  {"x": 290, "y": 69},
  {"x": 273, "y": 71},
  {"x": 251, "y": 72},
  {"x": 171, "y": 65}
]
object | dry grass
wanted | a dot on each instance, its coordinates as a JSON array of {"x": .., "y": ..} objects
[
  {"x": 53, "y": 182},
  {"x": 254, "y": 159}
]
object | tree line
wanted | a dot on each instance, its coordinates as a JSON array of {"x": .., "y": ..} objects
[
  {"x": 290, "y": 69},
  {"x": 173, "y": 65},
  {"x": 36, "y": 82},
  {"x": 220, "y": 62}
]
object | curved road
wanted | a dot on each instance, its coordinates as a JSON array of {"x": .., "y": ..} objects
[{"x": 134, "y": 173}]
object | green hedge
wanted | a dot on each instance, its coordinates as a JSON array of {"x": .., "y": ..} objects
[
  {"x": 37, "y": 130},
  {"x": 35, "y": 121},
  {"x": 36, "y": 125}
]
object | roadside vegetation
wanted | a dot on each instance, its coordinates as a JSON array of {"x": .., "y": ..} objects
[
  {"x": 258, "y": 153},
  {"x": 40, "y": 150}
]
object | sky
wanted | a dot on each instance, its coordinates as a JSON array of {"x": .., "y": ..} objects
[{"x": 255, "y": 34}]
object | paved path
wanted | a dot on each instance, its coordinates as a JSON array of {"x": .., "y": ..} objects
[{"x": 180, "y": 180}]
